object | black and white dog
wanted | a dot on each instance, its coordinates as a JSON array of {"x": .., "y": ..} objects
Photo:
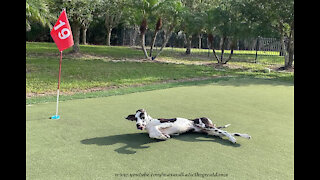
[{"x": 163, "y": 128}]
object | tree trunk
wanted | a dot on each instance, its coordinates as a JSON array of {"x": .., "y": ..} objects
[
  {"x": 134, "y": 36},
  {"x": 291, "y": 54},
  {"x": 188, "y": 40},
  {"x": 108, "y": 37},
  {"x": 232, "y": 46},
  {"x": 222, "y": 45},
  {"x": 167, "y": 35},
  {"x": 153, "y": 41},
  {"x": 76, "y": 36},
  {"x": 199, "y": 42},
  {"x": 157, "y": 29},
  {"x": 123, "y": 36},
  {"x": 143, "y": 46},
  {"x": 210, "y": 39},
  {"x": 290, "y": 50},
  {"x": 143, "y": 28},
  {"x": 165, "y": 41},
  {"x": 287, "y": 48},
  {"x": 108, "y": 24},
  {"x": 84, "y": 35},
  {"x": 284, "y": 50},
  {"x": 257, "y": 49}
]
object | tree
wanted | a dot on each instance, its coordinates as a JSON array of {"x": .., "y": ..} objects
[
  {"x": 112, "y": 11},
  {"x": 193, "y": 19},
  {"x": 159, "y": 15},
  {"x": 132, "y": 18},
  {"x": 282, "y": 19},
  {"x": 170, "y": 11},
  {"x": 92, "y": 10},
  {"x": 38, "y": 11},
  {"x": 222, "y": 21},
  {"x": 79, "y": 13},
  {"x": 279, "y": 15},
  {"x": 147, "y": 12},
  {"x": 232, "y": 20}
]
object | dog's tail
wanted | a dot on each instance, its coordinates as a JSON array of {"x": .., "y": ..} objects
[{"x": 223, "y": 126}]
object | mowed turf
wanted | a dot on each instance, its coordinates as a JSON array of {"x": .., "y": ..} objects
[{"x": 92, "y": 140}]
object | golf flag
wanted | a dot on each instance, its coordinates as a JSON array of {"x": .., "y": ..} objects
[
  {"x": 61, "y": 32},
  {"x": 62, "y": 36}
]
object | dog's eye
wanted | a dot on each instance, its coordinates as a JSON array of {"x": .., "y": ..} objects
[{"x": 142, "y": 116}]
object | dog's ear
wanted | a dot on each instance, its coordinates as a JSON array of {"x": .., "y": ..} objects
[
  {"x": 131, "y": 117},
  {"x": 141, "y": 110}
]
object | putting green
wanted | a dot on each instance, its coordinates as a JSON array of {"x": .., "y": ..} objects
[{"x": 92, "y": 140}]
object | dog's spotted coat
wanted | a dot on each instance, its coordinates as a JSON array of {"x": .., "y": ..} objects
[{"x": 162, "y": 128}]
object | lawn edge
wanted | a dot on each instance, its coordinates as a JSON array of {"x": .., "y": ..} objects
[{"x": 135, "y": 89}]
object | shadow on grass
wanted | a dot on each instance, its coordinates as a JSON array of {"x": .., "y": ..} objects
[{"x": 136, "y": 141}]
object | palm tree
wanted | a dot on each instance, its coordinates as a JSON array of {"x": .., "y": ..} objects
[
  {"x": 37, "y": 11},
  {"x": 170, "y": 12},
  {"x": 147, "y": 9}
]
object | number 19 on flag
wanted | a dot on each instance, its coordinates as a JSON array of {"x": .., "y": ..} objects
[{"x": 61, "y": 32}]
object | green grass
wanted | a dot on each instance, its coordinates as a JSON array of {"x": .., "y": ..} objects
[
  {"x": 80, "y": 74},
  {"x": 95, "y": 68},
  {"x": 123, "y": 52},
  {"x": 92, "y": 140},
  {"x": 202, "y": 55},
  {"x": 116, "y": 52},
  {"x": 121, "y": 91}
]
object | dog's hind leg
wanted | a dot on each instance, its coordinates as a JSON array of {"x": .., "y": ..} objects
[
  {"x": 247, "y": 136},
  {"x": 229, "y": 136},
  {"x": 221, "y": 133}
]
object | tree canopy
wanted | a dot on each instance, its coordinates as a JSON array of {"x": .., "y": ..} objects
[{"x": 227, "y": 19}]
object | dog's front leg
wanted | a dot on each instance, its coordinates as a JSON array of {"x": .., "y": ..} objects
[{"x": 155, "y": 132}]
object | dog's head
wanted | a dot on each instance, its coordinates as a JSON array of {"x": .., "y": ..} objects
[
  {"x": 140, "y": 118},
  {"x": 203, "y": 123}
]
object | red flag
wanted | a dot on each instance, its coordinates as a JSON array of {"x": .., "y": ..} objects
[{"x": 61, "y": 32}]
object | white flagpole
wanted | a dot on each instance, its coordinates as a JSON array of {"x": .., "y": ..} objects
[
  {"x": 62, "y": 41},
  {"x": 57, "y": 102},
  {"x": 58, "y": 89}
]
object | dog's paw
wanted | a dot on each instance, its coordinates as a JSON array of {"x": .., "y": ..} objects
[
  {"x": 166, "y": 135},
  {"x": 159, "y": 136},
  {"x": 232, "y": 139},
  {"x": 247, "y": 136},
  {"x": 163, "y": 137}
]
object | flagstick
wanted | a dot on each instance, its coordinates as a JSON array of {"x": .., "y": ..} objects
[
  {"x": 57, "y": 102},
  {"x": 62, "y": 36},
  {"x": 59, "y": 82},
  {"x": 58, "y": 90}
]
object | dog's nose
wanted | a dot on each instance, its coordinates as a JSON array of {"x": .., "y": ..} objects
[{"x": 139, "y": 126}]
